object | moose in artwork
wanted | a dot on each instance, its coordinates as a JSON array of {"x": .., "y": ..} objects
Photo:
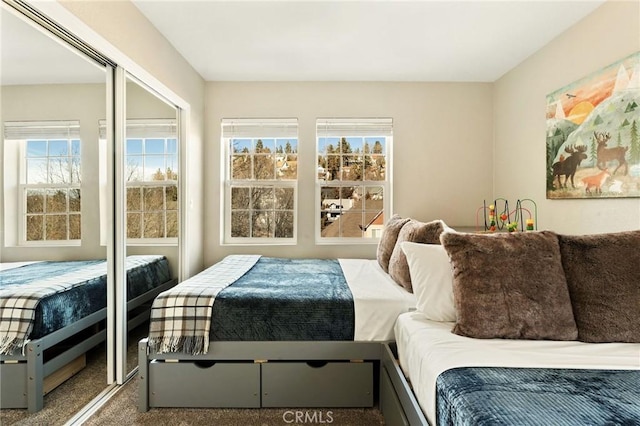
[{"x": 567, "y": 166}]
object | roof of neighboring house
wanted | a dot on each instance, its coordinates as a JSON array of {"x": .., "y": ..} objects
[{"x": 350, "y": 222}]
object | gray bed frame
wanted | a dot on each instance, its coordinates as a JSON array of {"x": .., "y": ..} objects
[
  {"x": 22, "y": 384},
  {"x": 328, "y": 374}
]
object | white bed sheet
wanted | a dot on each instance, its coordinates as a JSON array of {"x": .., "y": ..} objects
[
  {"x": 427, "y": 348},
  {"x": 378, "y": 300}
]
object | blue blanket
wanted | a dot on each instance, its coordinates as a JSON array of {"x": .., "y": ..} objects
[
  {"x": 537, "y": 396},
  {"x": 61, "y": 309},
  {"x": 286, "y": 299}
]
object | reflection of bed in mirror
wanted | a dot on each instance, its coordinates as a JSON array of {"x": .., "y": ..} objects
[
  {"x": 53, "y": 312},
  {"x": 281, "y": 333}
]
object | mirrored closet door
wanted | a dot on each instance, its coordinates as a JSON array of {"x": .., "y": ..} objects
[{"x": 54, "y": 190}]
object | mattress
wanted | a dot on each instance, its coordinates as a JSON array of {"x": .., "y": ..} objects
[
  {"x": 58, "y": 310},
  {"x": 428, "y": 348}
]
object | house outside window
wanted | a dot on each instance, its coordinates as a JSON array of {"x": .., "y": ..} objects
[
  {"x": 261, "y": 173},
  {"x": 49, "y": 182},
  {"x": 353, "y": 179}
]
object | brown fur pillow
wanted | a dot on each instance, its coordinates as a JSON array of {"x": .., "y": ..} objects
[
  {"x": 388, "y": 240},
  {"x": 603, "y": 274},
  {"x": 510, "y": 286},
  {"x": 416, "y": 232}
]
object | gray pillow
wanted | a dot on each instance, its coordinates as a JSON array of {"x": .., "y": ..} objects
[
  {"x": 416, "y": 232},
  {"x": 510, "y": 285},
  {"x": 603, "y": 274},
  {"x": 388, "y": 240}
]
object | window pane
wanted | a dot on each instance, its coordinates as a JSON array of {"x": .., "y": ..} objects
[
  {"x": 74, "y": 227},
  {"x": 172, "y": 167},
  {"x": 154, "y": 146},
  {"x": 154, "y": 168},
  {"x": 134, "y": 146},
  {"x": 172, "y": 146},
  {"x": 134, "y": 228},
  {"x": 354, "y": 145},
  {"x": 332, "y": 171},
  {"x": 56, "y": 227},
  {"x": 263, "y": 224},
  {"x": 241, "y": 146},
  {"x": 348, "y": 197},
  {"x": 172, "y": 197},
  {"x": 56, "y": 202},
  {"x": 153, "y": 199},
  {"x": 135, "y": 172},
  {"x": 75, "y": 169},
  {"x": 75, "y": 147},
  {"x": 377, "y": 144},
  {"x": 284, "y": 225},
  {"x": 265, "y": 146},
  {"x": 351, "y": 224},
  {"x": 36, "y": 148},
  {"x": 35, "y": 201},
  {"x": 58, "y": 148},
  {"x": 240, "y": 198},
  {"x": 264, "y": 167},
  {"x": 241, "y": 167},
  {"x": 284, "y": 198},
  {"x": 287, "y": 146},
  {"x": 287, "y": 166},
  {"x": 240, "y": 224},
  {"x": 172, "y": 224},
  {"x": 134, "y": 199},
  {"x": 374, "y": 167},
  {"x": 263, "y": 198},
  {"x": 328, "y": 145},
  {"x": 153, "y": 225},
  {"x": 59, "y": 170},
  {"x": 352, "y": 167},
  {"x": 74, "y": 200},
  {"x": 36, "y": 170},
  {"x": 35, "y": 225}
]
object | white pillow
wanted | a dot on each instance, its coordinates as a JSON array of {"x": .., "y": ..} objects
[{"x": 432, "y": 280}]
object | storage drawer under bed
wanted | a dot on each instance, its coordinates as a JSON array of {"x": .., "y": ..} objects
[
  {"x": 317, "y": 384},
  {"x": 199, "y": 384}
]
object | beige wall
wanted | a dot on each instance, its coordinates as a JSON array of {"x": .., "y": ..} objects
[
  {"x": 441, "y": 158},
  {"x": 610, "y": 33}
]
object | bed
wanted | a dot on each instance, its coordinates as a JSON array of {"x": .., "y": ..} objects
[
  {"x": 281, "y": 333},
  {"x": 531, "y": 328},
  {"x": 52, "y": 312},
  {"x": 443, "y": 378}
]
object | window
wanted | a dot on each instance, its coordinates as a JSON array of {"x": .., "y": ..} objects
[
  {"x": 353, "y": 179},
  {"x": 261, "y": 173},
  {"x": 49, "y": 183},
  {"x": 151, "y": 167},
  {"x": 152, "y": 179}
]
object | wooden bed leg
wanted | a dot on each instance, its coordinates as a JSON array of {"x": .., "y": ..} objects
[
  {"x": 143, "y": 376},
  {"x": 35, "y": 379}
]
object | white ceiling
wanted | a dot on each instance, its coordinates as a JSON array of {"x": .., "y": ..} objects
[{"x": 386, "y": 40}]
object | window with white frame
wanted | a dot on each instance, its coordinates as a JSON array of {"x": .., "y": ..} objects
[
  {"x": 49, "y": 182},
  {"x": 261, "y": 172},
  {"x": 353, "y": 178},
  {"x": 151, "y": 173}
]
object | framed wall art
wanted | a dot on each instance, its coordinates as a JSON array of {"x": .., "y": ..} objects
[{"x": 593, "y": 134}]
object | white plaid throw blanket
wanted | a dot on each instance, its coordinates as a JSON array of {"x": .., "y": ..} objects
[
  {"x": 18, "y": 303},
  {"x": 181, "y": 316}
]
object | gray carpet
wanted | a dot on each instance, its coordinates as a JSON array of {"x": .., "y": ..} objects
[{"x": 122, "y": 410}]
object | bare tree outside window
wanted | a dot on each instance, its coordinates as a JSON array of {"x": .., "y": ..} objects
[
  {"x": 52, "y": 190},
  {"x": 152, "y": 188}
]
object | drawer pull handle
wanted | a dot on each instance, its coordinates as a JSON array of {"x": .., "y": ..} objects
[
  {"x": 316, "y": 364},
  {"x": 204, "y": 364}
]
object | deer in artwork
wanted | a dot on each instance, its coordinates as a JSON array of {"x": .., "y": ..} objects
[
  {"x": 605, "y": 154},
  {"x": 595, "y": 181},
  {"x": 568, "y": 166}
]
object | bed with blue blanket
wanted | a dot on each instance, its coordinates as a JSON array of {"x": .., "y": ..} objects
[
  {"x": 48, "y": 302},
  {"x": 457, "y": 380},
  {"x": 259, "y": 315}
]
